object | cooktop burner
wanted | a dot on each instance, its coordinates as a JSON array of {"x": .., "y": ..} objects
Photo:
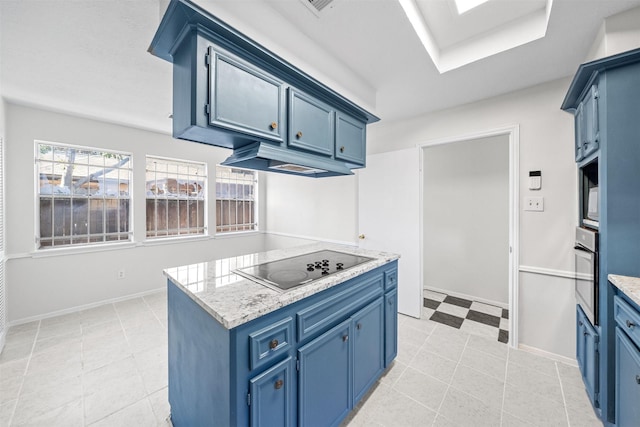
[{"x": 288, "y": 273}]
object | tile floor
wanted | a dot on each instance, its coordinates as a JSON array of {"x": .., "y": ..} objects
[
  {"x": 107, "y": 367},
  {"x": 467, "y": 315}
]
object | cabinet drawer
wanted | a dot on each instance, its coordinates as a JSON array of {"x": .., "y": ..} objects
[
  {"x": 269, "y": 343},
  {"x": 319, "y": 316},
  {"x": 390, "y": 279},
  {"x": 627, "y": 318}
]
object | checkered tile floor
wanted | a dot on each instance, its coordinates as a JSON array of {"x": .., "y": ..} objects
[{"x": 470, "y": 316}]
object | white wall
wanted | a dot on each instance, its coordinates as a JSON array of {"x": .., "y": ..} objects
[
  {"x": 546, "y": 239},
  {"x": 40, "y": 283},
  {"x": 617, "y": 34},
  {"x": 466, "y": 218},
  {"x": 324, "y": 208}
]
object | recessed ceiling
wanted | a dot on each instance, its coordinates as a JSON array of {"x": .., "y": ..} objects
[{"x": 454, "y": 39}]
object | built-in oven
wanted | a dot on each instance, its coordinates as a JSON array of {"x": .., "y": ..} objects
[{"x": 586, "y": 256}]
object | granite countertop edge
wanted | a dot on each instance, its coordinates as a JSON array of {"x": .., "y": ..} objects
[
  {"x": 627, "y": 284},
  {"x": 246, "y": 300}
]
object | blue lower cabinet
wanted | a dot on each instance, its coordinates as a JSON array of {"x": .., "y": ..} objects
[
  {"x": 324, "y": 384},
  {"x": 390, "y": 326},
  {"x": 368, "y": 348},
  {"x": 587, "y": 354},
  {"x": 627, "y": 381},
  {"x": 272, "y": 396}
]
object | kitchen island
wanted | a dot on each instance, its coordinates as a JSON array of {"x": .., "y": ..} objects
[{"x": 242, "y": 353}]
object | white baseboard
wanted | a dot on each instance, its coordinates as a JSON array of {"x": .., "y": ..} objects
[
  {"x": 549, "y": 355},
  {"x": 469, "y": 297},
  {"x": 82, "y": 307}
]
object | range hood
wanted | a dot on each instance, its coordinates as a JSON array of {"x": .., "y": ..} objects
[{"x": 271, "y": 158}]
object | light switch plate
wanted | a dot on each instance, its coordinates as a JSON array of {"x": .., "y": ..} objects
[{"x": 535, "y": 204}]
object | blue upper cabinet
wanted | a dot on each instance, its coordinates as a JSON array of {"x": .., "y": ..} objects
[
  {"x": 587, "y": 124},
  {"x": 310, "y": 124},
  {"x": 231, "y": 92},
  {"x": 243, "y": 98},
  {"x": 351, "y": 137}
]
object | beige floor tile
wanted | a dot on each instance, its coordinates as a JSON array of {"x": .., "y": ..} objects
[
  {"x": 466, "y": 410},
  {"x": 9, "y": 388},
  {"x": 24, "y": 327},
  {"x": 397, "y": 410},
  {"x": 434, "y": 365},
  {"x": 487, "y": 389},
  {"x": 25, "y": 337},
  {"x": 445, "y": 346},
  {"x": 523, "y": 404},
  {"x": 522, "y": 377},
  {"x": 111, "y": 388},
  {"x": 160, "y": 405},
  {"x": 68, "y": 415},
  {"x": 422, "y": 388},
  {"x": 392, "y": 373},
  {"x": 46, "y": 398},
  {"x": 476, "y": 328},
  {"x": 413, "y": 336},
  {"x": 406, "y": 352},
  {"x": 153, "y": 367},
  {"x": 6, "y": 411},
  {"x": 131, "y": 307},
  {"x": 138, "y": 414},
  {"x": 533, "y": 361},
  {"x": 584, "y": 416},
  {"x": 67, "y": 343},
  {"x": 55, "y": 329},
  {"x": 146, "y": 337},
  {"x": 489, "y": 346},
  {"x": 13, "y": 368},
  {"x": 441, "y": 421},
  {"x": 509, "y": 420},
  {"x": 484, "y": 363},
  {"x": 504, "y": 324},
  {"x": 12, "y": 352},
  {"x": 423, "y": 325}
]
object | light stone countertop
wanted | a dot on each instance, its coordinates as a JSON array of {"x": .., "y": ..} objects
[
  {"x": 233, "y": 300},
  {"x": 629, "y": 285}
]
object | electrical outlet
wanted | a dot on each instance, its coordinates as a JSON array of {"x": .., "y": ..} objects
[
  {"x": 121, "y": 274},
  {"x": 535, "y": 204}
]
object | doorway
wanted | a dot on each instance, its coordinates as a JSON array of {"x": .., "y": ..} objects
[{"x": 468, "y": 232}]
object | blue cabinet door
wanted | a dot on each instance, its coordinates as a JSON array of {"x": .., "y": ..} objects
[
  {"x": 588, "y": 356},
  {"x": 390, "y": 326},
  {"x": 627, "y": 381},
  {"x": 587, "y": 124},
  {"x": 272, "y": 400},
  {"x": 311, "y": 125},
  {"x": 350, "y": 139},
  {"x": 245, "y": 99},
  {"x": 324, "y": 380},
  {"x": 368, "y": 347}
]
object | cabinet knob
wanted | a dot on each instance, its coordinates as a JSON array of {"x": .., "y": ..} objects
[
  {"x": 630, "y": 324},
  {"x": 361, "y": 237},
  {"x": 638, "y": 379},
  {"x": 390, "y": 302},
  {"x": 274, "y": 125},
  {"x": 586, "y": 333},
  {"x": 359, "y": 326},
  {"x": 299, "y": 135},
  {"x": 345, "y": 338},
  {"x": 273, "y": 344},
  {"x": 342, "y": 149},
  {"x": 278, "y": 384}
]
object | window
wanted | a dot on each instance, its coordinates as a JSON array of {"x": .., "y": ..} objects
[
  {"x": 83, "y": 195},
  {"x": 235, "y": 200},
  {"x": 176, "y": 202}
]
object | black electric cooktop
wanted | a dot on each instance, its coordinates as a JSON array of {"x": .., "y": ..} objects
[{"x": 288, "y": 273}]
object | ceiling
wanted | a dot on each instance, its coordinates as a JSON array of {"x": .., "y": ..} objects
[{"x": 90, "y": 57}]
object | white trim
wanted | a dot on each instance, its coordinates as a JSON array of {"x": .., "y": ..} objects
[
  {"x": 513, "y": 131},
  {"x": 84, "y": 307},
  {"x": 312, "y": 238},
  {"x": 553, "y": 356},
  {"x": 467, "y": 297},
  {"x": 551, "y": 272}
]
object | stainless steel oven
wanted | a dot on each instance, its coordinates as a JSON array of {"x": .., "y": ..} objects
[{"x": 586, "y": 254}]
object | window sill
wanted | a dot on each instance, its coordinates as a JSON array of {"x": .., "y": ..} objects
[
  {"x": 232, "y": 234},
  {"x": 171, "y": 240},
  {"x": 74, "y": 250}
]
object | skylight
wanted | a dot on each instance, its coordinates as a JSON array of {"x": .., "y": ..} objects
[{"x": 466, "y": 5}]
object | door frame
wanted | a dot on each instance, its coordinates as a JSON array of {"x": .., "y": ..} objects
[{"x": 513, "y": 132}]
